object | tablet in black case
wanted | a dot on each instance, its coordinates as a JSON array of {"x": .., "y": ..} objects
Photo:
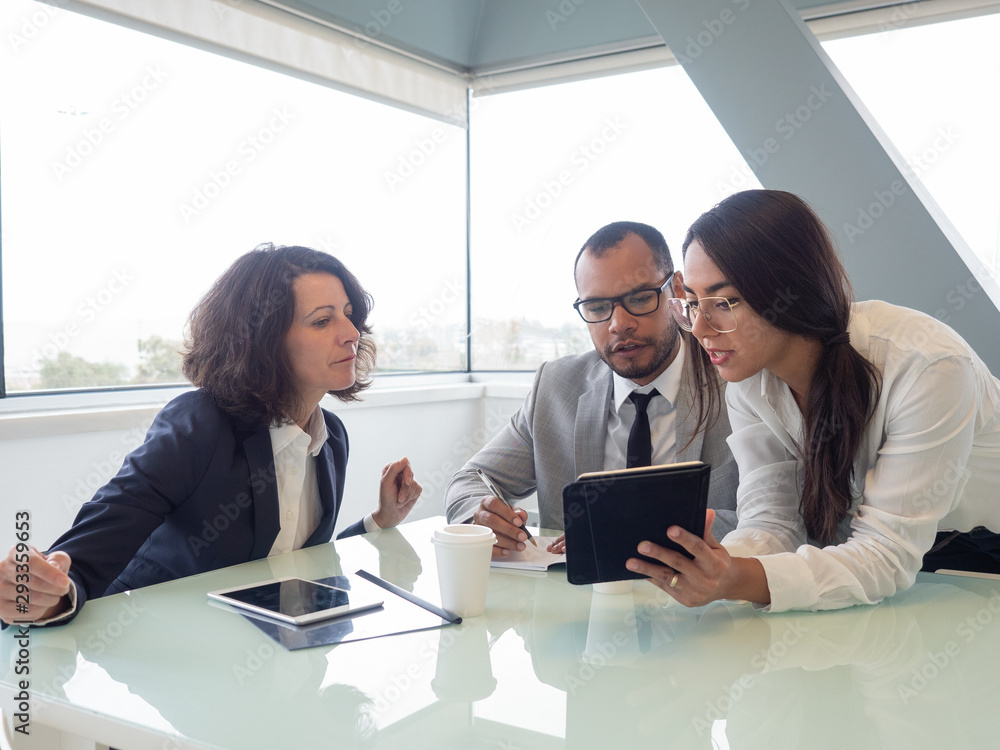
[{"x": 606, "y": 514}]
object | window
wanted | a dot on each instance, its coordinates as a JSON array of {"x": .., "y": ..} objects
[
  {"x": 133, "y": 170},
  {"x": 552, "y": 165},
  {"x": 932, "y": 89}
]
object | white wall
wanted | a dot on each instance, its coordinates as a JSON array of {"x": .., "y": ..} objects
[
  {"x": 437, "y": 428},
  {"x": 53, "y": 458}
]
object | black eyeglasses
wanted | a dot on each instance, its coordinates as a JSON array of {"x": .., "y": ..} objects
[{"x": 640, "y": 302}]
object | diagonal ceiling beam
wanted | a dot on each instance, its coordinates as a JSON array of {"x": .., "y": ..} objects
[{"x": 801, "y": 128}]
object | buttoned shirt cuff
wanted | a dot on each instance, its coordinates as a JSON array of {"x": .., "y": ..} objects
[
  {"x": 370, "y": 525},
  {"x": 64, "y": 615},
  {"x": 789, "y": 581}
]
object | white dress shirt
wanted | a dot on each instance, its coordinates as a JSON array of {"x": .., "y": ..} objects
[
  {"x": 929, "y": 460},
  {"x": 662, "y": 412},
  {"x": 299, "y": 508}
]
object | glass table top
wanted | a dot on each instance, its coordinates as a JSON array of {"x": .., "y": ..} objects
[{"x": 549, "y": 665}]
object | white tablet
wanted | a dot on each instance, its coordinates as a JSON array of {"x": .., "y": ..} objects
[{"x": 296, "y": 600}]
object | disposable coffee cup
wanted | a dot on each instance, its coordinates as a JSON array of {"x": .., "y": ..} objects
[{"x": 463, "y": 552}]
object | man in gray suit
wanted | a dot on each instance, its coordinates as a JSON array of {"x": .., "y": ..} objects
[{"x": 579, "y": 413}]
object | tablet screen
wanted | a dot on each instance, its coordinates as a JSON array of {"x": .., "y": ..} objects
[{"x": 296, "y": 600}]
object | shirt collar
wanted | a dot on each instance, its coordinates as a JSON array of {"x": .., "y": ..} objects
[
  {"x": 312, "y": 439},
  {"x": 668, "y": 382}
]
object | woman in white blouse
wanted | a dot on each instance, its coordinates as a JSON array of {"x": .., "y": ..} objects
[{"x": 866, "y": 434}]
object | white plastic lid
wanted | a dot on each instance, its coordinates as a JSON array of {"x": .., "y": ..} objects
[{"x": 464, "y": 533}]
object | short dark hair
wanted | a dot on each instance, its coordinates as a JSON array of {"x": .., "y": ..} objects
[
  {"x": 707, "y": 383},
  {"x": 611, "y": 235},
  {"x": 235, "y": 343}
]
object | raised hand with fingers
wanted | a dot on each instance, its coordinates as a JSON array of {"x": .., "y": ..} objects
[
  {"x": 33, "y": 586},
  {"x": 397, "y": 493}
]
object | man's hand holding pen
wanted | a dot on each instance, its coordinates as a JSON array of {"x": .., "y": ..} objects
[{"x": 507, "y": 523}]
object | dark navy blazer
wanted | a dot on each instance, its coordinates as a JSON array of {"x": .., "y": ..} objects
[{"x": 199, "y": 494}]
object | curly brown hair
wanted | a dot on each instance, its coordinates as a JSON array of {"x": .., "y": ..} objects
[{"x": 235, "y": 344}]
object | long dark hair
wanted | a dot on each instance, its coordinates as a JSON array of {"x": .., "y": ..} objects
[
  {"x": 235, "y": 344},
  {"x": 707, "y": 383},
  {"x": 784, "y": 263}
]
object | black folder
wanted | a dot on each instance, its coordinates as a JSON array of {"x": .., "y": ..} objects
[{"x": 606, "y": 514}]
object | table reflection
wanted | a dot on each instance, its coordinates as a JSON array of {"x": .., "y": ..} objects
[
  {"x": 398, "y": 561},
  {"x": 634, "y": 669}
]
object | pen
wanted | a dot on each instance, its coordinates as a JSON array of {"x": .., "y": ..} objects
[{"x": 499, "y": 496}]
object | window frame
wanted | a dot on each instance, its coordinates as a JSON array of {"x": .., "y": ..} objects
[{"x": 826, "y": 22}]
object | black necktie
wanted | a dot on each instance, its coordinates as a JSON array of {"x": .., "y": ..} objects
[{"x": 640, "y": 444}]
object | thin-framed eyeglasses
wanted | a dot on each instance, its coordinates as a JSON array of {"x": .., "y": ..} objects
[
  {"x": 718, "y": 312},
  {"x": 639, "y": 302}
]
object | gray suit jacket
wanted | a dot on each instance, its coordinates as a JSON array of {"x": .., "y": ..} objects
[{"x": 559, "y": 433}]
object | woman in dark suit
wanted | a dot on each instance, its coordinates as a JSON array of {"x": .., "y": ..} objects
[{"x": 246, "y": 466}]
